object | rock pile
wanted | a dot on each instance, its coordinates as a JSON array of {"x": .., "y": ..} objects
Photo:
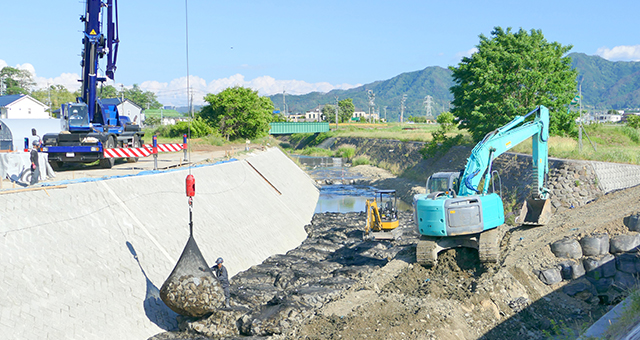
[
  {"x": 191, "y": 289},
  {"x": 601, "y": 266},
  {"x": 284, "y": 290}
]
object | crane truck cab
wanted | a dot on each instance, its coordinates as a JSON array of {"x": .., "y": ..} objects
[{"x": 458, "y": 210}]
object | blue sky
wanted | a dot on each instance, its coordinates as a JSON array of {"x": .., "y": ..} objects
[{"x": 298, "y": 46}]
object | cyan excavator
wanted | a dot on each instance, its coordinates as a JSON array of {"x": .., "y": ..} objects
[{"x": 458, "y": 211}]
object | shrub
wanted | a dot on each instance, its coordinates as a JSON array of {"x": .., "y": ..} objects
[
  {"x": 347, "y": 151},
  {"x": 361, "y": 160}
]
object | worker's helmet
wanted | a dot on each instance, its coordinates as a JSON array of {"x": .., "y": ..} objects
[
  {"x": 35, "y": 143},
  {"x": 219, "y": 260}
]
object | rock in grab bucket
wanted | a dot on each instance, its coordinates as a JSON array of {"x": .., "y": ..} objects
[{"x": 192, "y": 289}]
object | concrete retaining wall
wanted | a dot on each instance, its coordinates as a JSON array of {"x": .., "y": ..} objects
[{"x": 86, "y": 261}]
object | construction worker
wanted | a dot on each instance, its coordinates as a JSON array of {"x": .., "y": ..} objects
[
  {"x": 35, "y": 164},
  {"x": 221, "y": 273}
]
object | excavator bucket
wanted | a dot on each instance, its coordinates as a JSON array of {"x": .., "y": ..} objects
[{"x": 535, "y": 212}]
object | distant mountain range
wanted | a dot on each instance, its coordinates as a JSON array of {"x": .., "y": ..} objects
[{"x": 605, "y": 85}]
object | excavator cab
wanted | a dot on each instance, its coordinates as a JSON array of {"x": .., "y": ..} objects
[{"x": 382, "y": 216}]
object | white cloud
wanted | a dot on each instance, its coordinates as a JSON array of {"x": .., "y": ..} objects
[
  {"x": 175, "y": 93},
  {"x": 466, "y": 53},
  {"x": 3, "y": 64},
  {"x": 620, "y": 53}
]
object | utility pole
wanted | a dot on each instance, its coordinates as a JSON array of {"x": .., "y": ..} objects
[
  {"x": 580, "y": 125},
  {"x": 404, "y": 99},
  {"x": 372, "y": 98},
  {"x": 385, "y": 114},
  {"x": 1, "y": 85},
  {"x": 49, "y": 90},
  {"x": 121, "y": 93},
  {"x": 284, "y": 103},
  {"x": 337, "y": 108}
]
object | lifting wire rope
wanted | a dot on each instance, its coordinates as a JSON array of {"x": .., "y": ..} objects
[
  {"x": 190, "y": 181},
  {"x": 191, "y": 289}
]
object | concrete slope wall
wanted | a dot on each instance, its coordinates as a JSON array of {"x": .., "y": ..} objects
[{"x": 86, "y": 261}]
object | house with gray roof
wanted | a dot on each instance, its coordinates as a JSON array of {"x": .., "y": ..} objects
[{"x": 22, "y": 106}]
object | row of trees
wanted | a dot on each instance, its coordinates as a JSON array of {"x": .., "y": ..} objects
[
  {"x": 345, "y": 111},
  {"x": 18, "y": 81}
]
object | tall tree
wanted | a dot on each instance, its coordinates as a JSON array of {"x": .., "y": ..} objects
[
  {"x": 54, "y": 96},
  {"x": 238, "y": 112},
  {"x": 146, "y": 99},
  {"x": 346, "y": 109},
  {"x": 108, "y": 91},
  {"x": 16, "y": 81},
  {"x": 509, "y": 75},
  {"x": 329, "y": 112}
]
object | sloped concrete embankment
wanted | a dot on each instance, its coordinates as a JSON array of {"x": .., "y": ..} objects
[{"x": 86, "y": 261}]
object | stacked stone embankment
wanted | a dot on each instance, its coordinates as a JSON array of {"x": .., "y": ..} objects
[
  {"x": 86, "y": 261},
  {"x": 572, "y": 183},
  {"x": 598, "y": 266}
]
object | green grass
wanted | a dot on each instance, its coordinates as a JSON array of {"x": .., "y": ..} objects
[
  {"x": 628, "y": 319},
  {"x": 614, "y": 143}
]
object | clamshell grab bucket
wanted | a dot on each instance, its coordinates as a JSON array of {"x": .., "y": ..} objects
[{"x": 535, "y": 212}]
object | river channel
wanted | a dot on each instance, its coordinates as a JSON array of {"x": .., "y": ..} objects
[{"x": 338, "y": 193}]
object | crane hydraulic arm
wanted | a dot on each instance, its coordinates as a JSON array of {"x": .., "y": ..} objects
[
  {"x": 90, "y": 125},
  {"x": 97, "y": 46}
]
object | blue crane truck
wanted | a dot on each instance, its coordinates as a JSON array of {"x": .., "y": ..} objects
[
  {"x": 89, "y": 126},
  {"x": 458, "y": 210}
]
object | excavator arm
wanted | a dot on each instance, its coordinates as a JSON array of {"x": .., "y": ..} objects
[{"x": 500, "y": 141}]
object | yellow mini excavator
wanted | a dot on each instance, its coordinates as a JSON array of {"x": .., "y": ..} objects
[{"x": 382, "y": 216}]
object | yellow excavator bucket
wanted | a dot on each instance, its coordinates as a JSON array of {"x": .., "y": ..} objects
[{"x": 536, "y": 212}]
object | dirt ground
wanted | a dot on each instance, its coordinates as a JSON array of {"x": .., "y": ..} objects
[{"x": 460, "y": 299}]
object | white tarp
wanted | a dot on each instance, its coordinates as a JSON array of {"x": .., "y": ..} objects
[
  {"x": 21, "y": 128},
  {"x": 16, "y": 166}
]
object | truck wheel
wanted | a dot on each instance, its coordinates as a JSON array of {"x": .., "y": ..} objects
[
  {"x": 108, "y": 163},
  {"x": 136, "y": 144}
]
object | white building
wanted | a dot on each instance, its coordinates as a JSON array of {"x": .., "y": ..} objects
[
  {"x": 365, "y": 116},
  {"x": 315, "y": 115},
  {"x": 22, "y": 106}
]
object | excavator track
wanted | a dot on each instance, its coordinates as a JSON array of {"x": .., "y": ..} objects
[
  {"x": 427, "y": 251},
  {"x": 489, "y": 244}
]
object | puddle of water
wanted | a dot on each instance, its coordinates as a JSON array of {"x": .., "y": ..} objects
[
  {"x": 340, "y": 198},
  {"x": 343, "y": 198}
]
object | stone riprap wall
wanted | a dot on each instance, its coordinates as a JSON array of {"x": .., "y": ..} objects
[
  {"x": 599, "y": 266},
  {"x": 402, "y": 155},
  {"x": 86, "y": 261},
  {"x": 572, "y": 183}
]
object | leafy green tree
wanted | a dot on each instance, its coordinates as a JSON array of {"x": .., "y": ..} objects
[
  {"x": 58, "y": 94},
  {"x": 16, "y": 81},
  {"x": 238, "y": 112},
  {"x": 509, "y": 75},
  {"x": 633, "y": 121},
  {"x": 146, "y": 99},
  {"x": 108, "y": 91},
  {"x": 346, "y": 109},
  {"x": 329, "y": 112},
  {"x": 152, "y": 120},
  {"x": 278, "y": 117},
  {"x": 447, "y": 121}
]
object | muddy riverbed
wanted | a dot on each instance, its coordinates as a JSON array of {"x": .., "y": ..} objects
[{"x": 336, "y": 285}]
